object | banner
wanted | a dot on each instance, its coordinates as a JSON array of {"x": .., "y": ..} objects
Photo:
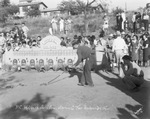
[{"x": 30, "y": 57}]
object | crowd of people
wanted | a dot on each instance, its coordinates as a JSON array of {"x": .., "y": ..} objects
[
  {"x": 135, "y": 45},
  {"x": 138, "y": 47},
  {"x": 18, "y": 38},
  {"x": 139, "y": 22}
]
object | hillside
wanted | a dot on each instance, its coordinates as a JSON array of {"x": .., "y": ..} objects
[{"x": 40, "y": 25}]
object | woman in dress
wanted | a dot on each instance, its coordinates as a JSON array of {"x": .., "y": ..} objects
[
  {"x": 135, "y": 48},
  {"x": 145, "y": 50},
  {"x": 128, "y": 42},
  {"x": 149, "y": 51},
  {"x": 66, "y": 26},
  {"x": 54, "y": 25},
  {"x": 106, "y": 23},
  {"x": 140, "y": 51},
  {"x": 51, "y": 29},
  {"x": 61, "y": 25}
]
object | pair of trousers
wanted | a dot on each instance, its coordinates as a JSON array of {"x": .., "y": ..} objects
[
  {"x": 146, "y": 24},
  {"x": 132, "y": 82},
  {"x": 86, "y": 75},
  {"x": 134, "y": 27},
  {"x": 119, "y": 54}
]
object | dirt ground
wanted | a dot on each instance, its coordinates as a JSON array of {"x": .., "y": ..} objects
[{"x": 23, "y": 97}]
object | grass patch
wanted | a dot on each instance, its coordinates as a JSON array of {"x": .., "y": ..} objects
[{"x": 40, "y": 25}]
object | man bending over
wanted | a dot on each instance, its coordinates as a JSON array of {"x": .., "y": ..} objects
[{"x": 133, "y": 75}]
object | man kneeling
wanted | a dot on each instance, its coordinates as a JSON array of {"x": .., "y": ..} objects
[{"x": 133, "y": 74}]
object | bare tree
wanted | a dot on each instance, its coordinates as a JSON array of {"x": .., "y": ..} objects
[
  {"x": 79, "y": 6},
  {"x": 87, "y": 7}
]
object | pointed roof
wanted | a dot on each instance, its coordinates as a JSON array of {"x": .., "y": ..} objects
[{"x": 31, "y": 3}]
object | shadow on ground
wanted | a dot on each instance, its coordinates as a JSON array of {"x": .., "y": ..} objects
[
  {"x": 8, "y": 73},
  {"x": 140, "y": 111},
  {"x": 5, "y": 81},
  {"x": 36, "y": 108},
  {"x": 132, "y": 112}
]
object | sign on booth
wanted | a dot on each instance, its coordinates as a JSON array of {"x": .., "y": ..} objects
[{"x": 49, "y": 52}]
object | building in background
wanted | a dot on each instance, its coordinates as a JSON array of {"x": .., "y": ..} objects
[
  {"x": 50, "y": 12},
  {"x": 25, "y": 5}
]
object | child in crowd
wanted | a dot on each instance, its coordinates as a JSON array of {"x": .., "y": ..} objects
[
  {"x": 30, "y": 44},
  {"x": 34, "y": 43},
  {"x": 8, "y": 47},
  {"x": 63, "y": 42},
  {"x": 38, "y": 41},
  {"x": 25, "y": 29},
  {"x": 24, "y": 44}
]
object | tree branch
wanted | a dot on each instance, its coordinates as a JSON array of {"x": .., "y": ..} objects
[
  {"x": 81, "y": 4},
  {"x": 88, "y": 4}
]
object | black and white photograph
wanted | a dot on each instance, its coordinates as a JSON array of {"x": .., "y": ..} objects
[{"x": 74, "y": 59}]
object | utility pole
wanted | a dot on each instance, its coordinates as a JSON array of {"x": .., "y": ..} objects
[{"x": 125, "y": 6}]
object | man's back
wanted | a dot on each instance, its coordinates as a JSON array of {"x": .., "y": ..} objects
[
  {"x": 83, "y": 52},
  {"x": 119, "y": 44}
]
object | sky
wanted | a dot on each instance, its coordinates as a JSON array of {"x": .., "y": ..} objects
[{"x": 131, "y": 4}]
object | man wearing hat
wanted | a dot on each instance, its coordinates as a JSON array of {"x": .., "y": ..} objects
[
  {"x": 109, "y": 49},
  {"x": 123, "y": 34},
  {"x": 133, "y": 75},
  {"x": 84, "y": 56},
  {"x": 118, "y": 47}
]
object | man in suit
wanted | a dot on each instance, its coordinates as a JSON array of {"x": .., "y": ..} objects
[
  {"x": 134, "y": 21},
  {"x": 84, "y": 56},
  {"x": 119, "y": 20}
]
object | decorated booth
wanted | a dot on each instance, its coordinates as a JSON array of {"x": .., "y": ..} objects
[{"x": 49, "y": 56}]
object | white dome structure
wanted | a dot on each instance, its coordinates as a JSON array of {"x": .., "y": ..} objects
[{"x": 50, "y": 42}]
